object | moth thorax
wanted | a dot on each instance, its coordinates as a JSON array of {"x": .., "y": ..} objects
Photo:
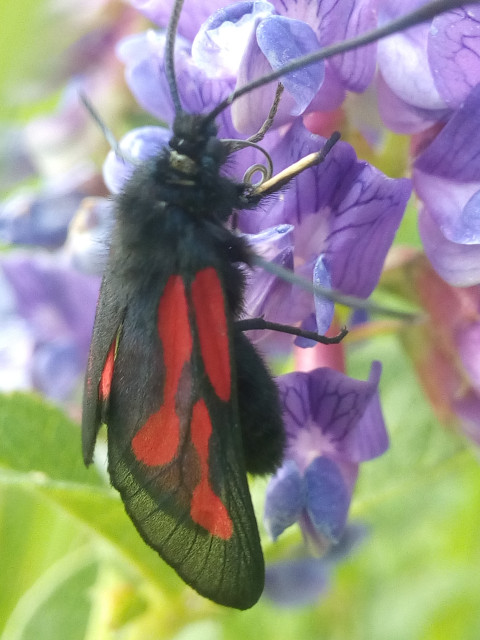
[{"x": 182, "y": 163}]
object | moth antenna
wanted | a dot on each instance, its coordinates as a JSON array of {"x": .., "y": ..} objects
[
  {"x": 235, "y": 145},
  {"x": 423, "y": 14},
  {"x": 331, "y": 294},
  {"x": 170, "y": 54},
  {"x": 258, "y": 137},
  {"x": 107, "y": 133}
]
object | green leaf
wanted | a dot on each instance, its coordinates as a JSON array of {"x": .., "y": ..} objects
[
  {"x": 38, "y": 438},
  {"x": 41, "y": 452}
]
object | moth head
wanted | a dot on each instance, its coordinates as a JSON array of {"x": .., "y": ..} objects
[{"x": 194, "y": 144}]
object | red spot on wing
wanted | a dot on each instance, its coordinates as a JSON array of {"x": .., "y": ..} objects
[
  {"x": 209, "y": 305},
  {"x": 107, "y": 373},
  {"x": 157, "y": 441},
  {"x": 207, "y": 509}
]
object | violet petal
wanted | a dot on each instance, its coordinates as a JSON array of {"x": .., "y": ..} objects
[
  {"x": 270, "y": 296},
  {"x": 453, "y": 205},
  {"x": 143, "y": 56},
  {"x": 334, "y": 22},
  {"x": 468, "y": 344},
  {"x": 38, "y": 219},
  {"x": 88, "y": 239},
  {"x": 299, "y": 582},
  {"x": 193, "y": 13},
  {"x": 345, "y": 209},
  {"x": 137, "y": 146},
  {"x": 42, "y": 218},
  {"x": 285, "y": 499},
  {"x": 331, "y": 95},
  {"x": 56, "y": 368},
  {"x": 250, "y": 111},
  {"x": 219, "y": 44},
  {"x": 328, "y": 498},
  {"x": 454, "y": 53},
  {"x": 324, "y": 309},
  {"x": 403, "y": 62},
  {"x": 455, "y": 151},
  {"x": 346, "y": 20},
  {"x": 296, "y": 583},
  {"x": 468, "y": 410},
  {"x": 56, "y": 301},
  {"x": 458, "y": 264},
  {"x": 59, "y": 306},
  {"x": 353, "y": 536},
  {"x": 283, "y": 40},
  {"x": 329, "y": 413},
  {"x": 401, "y": 117}
]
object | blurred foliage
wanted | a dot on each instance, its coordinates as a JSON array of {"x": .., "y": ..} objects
[
  {"x": 74, "y": 567},
  {"x": 30, "y": 51}
]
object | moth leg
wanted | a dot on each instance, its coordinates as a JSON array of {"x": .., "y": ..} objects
[{"x": 252, "y": 324}]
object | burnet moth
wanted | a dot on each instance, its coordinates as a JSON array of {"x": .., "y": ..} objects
[{"x": 189, "y": 405}]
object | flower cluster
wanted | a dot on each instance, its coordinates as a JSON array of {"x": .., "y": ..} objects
[{"x": 47, "y": 306}]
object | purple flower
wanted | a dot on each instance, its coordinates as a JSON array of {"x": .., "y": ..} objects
[
  {"x": 445, "y": 347},
  {"x": 301, "y": 581},
  {"x": 193, "y": 14},
  {"x": 447, "y": 179},
  {"x": 41, "y": 218},
  {"x": 46, "y": 305},
  {"x": 454, "y": 53},
  {"x": 87, "y": 244},
  {"x": 344, "y": 212},
  {"x": 244, "y": 40},
  {"x": 333, "y": 424},
  {"x": 137, "y": 146},
  {"x": 53, "y": 305},
  {"x": 278, "y": 33},
  {"x": 429, "y": 84},
  {"x": 16, "y": 164},
  {"x": 143, "y": 55},
  {"x": 428, "y": 70}
]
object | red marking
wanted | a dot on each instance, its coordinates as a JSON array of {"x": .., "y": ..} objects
[
  {"x": 207, "y": 509},
  {"x": 209, "y": 305},
  {"x": 157, "y": 441},
  {"x": 107, "y": 374}
]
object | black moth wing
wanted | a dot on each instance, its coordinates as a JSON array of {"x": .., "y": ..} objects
[
  {"x": 108, "y": 319},
  {"x": 158, "y": 498}
]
